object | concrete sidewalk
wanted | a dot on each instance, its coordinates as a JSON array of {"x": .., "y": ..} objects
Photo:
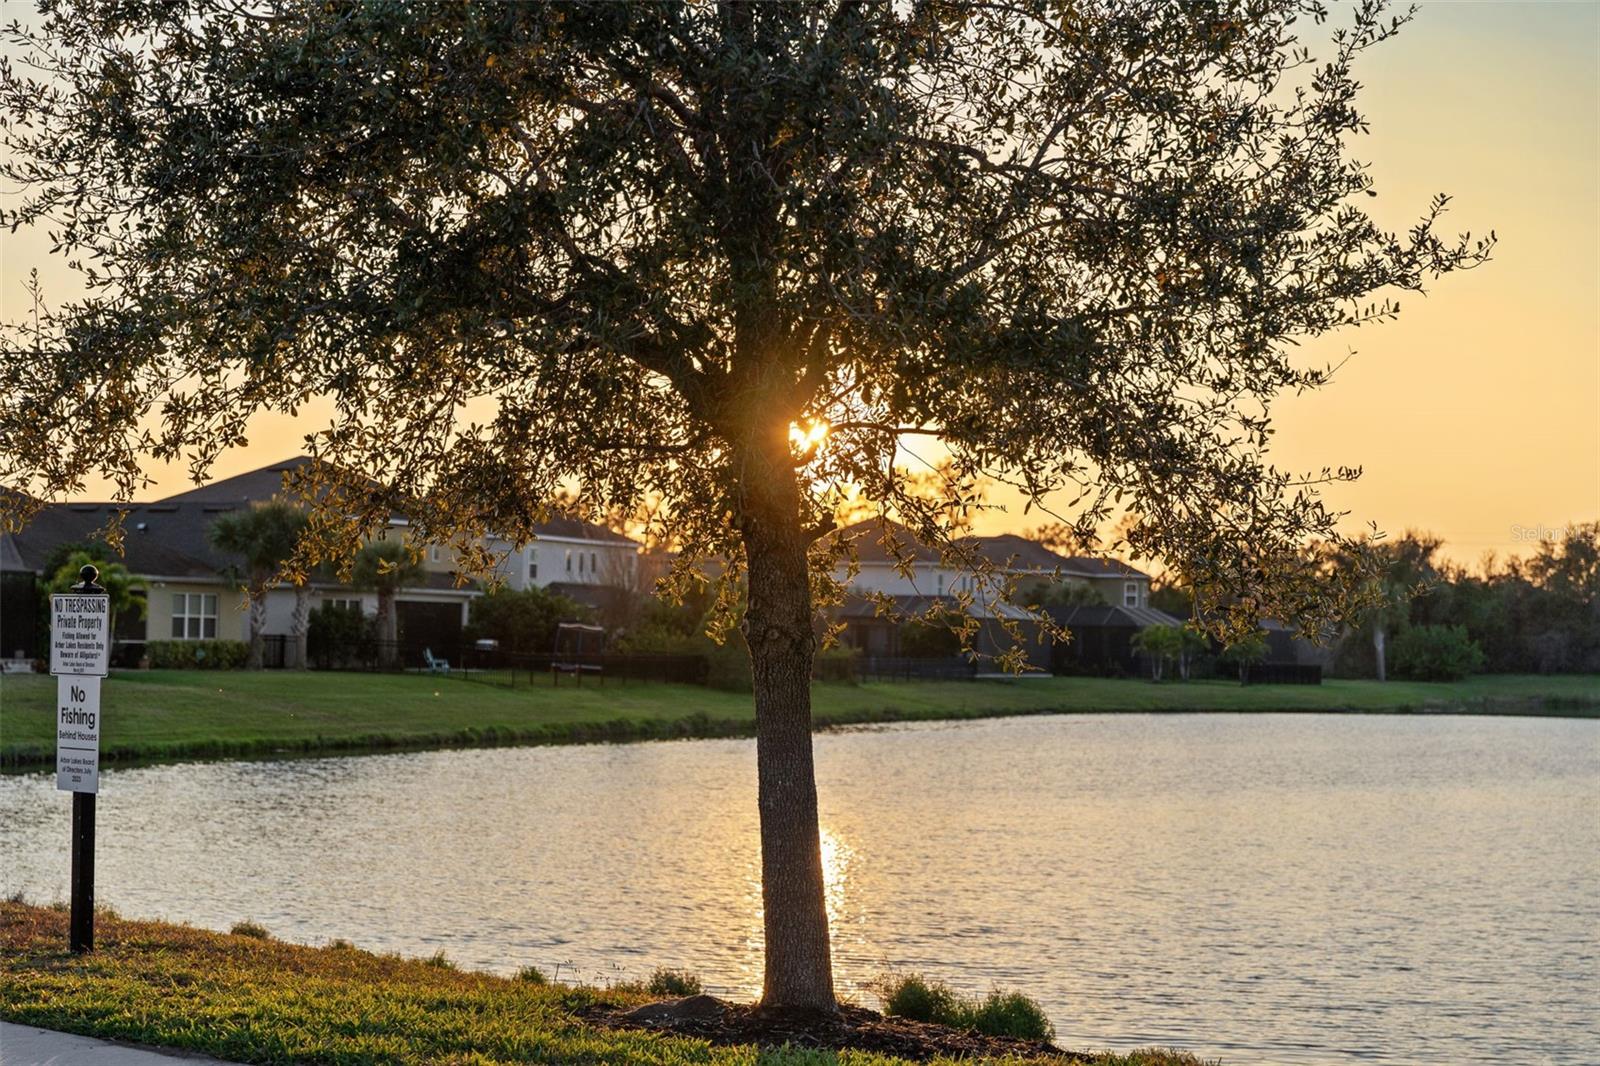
[{"x": 27, "y": 1045}]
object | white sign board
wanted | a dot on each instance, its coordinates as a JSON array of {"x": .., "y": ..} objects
[
  {"x": 80, "y": 635},
  {"x": 78, "y": 734}
]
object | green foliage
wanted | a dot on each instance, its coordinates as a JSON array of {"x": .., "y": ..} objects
[
  {"x": 997, "y": 1014},
  {"x": 122, "y": 587},
  {"x": 837, "y": 664},
  {"x": 440, "y": 961},
  {"x": 1171, "y": 597},
  {"x": 339, "y": 636},
  {"x": 679, "y": 983},
  {"x": 1537, "y": 615},
  {"x": 1245, "y": 652},
  {"x": 533, "y": 975},
  {"x": 1011, "y": 1014},
  {"x": 914, "y": 996},
  {"x": 265, "y": 536},
  {"x": 250, "y": 929},
  {"x": 928, "y": 639},
  {"x": 681, "y": 629},
  {"x": 523, "y": 621},
  {"x": 197, "y": 654},
  {"x": 205, "y": 993},
  {"x": 1436, "y": 653},
  {"x": 386, "y": 566},
  {"x": 1158, "y": 643}
]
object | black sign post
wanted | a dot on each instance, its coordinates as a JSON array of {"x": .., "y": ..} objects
[{"x": 81, "y": 936}]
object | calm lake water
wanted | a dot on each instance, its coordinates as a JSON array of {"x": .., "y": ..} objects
[{"x": 1279, "y": 888}]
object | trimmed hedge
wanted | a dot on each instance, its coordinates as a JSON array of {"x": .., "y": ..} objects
[{"x": 197, "y": 654}]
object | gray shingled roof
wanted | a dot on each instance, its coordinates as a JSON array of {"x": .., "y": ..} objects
[
  {"x": 159, "y": 539},
  {"x": 267, "y": 482},
  {"x": 1007, "y": 551},
  {"x": 252, "y": 486}
]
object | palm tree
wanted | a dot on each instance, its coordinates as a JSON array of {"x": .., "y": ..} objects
[
  {"x": 1394, "y": 572},
  {"x": 267, "y": 537},
  {"x": 119, "y": 584},
  {"x": 386, "y": 566},
  {"x": 1158, "y": 643}
]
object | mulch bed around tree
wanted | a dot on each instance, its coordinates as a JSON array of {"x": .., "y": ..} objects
[{"x": 717, "y": 1022}]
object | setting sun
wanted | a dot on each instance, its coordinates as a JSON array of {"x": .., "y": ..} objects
[{"x": 809, "y": 438}]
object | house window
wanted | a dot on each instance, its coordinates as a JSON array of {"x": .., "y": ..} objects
[
  {"x": 343, "y": 605},
  {"x": 194, "y": 616},
  {"x": 533, "y": 567},
  {"x": 433, "y": 553},
  {"x": 941, "y": 584},
  {"x": 569, "y": 560},
  {"x": 594, "y": 563},
  {"x": 1130, "y": 594},
  {"x": 580, "y": 562}
]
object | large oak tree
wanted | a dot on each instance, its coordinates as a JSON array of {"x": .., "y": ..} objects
[{"x": 649, "y": 250}]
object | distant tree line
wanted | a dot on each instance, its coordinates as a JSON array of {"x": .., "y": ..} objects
[{"x": 1431, "y": 619}]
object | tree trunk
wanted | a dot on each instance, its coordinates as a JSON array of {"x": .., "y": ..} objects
[
  {"x": 1378, "y": 637},
  {"x": 258, "y": 626},
  {"x": 300, "y": 624},
  {"x": 778, "y": 628}
]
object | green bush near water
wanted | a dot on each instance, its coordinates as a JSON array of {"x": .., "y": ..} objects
[
  {"x": 665, "y": 982},
  {"x": 997, "y": 1014}
]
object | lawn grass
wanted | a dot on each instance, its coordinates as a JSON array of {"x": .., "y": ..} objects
[
  {"x": 258, "y": 1000},
  {"x": 175, "y": 714}
]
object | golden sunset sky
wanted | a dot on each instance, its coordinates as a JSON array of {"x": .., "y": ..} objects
[{"x": 1476, "y": 416}]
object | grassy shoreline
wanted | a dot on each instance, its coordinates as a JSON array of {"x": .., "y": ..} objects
[
  {"x": 163, "y": 716},
  {"x": 254, "y": 999}
]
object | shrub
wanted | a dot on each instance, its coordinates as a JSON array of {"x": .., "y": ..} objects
[
  {"x": 837, "y": 664},
  {"x": 666, "y": 982},
  {"x": 197, "y": 654},
  {"x": 250, "y": 929},
  {"x": 914, "y": 996},
  {"x": 1012, "y": 1014},
  {"x": 340, "y": 636},
  {"x": 532, "y": 975},
  {"x": 439, "y": 961},
  {"x": 1436, "y": 653},
  {"x": 523, "y": 621},
  {"x": 998, "y": 1014}
]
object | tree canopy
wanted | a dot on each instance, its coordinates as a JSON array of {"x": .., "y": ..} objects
[{"x": 728, "y": 256}]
